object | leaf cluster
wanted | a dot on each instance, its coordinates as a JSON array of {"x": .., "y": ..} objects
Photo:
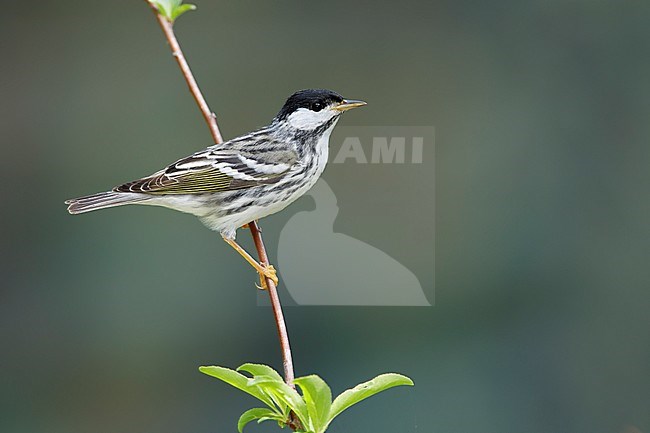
[{"x": 313, "y": 406}]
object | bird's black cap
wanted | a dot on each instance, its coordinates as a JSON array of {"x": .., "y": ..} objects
[{"x": 313, "y": 99}]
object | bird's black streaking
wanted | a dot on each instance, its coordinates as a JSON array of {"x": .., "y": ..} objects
[{"x": 244, "y": 179}]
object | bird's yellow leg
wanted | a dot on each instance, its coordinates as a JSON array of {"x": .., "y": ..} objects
[{"x": 264, "y": 270}]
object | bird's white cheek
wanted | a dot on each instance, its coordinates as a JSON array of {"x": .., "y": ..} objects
[{"x": 306, "y": 119}]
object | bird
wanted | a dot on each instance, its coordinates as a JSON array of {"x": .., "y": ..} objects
[{"x": 231, "y": 184}]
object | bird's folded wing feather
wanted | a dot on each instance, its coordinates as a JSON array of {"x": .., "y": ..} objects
[{"x": 216, "y": 170}]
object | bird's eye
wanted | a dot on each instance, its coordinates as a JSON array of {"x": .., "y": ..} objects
[{"x": 316, "y": 106}]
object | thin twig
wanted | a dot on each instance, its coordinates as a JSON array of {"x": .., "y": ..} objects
[
  {"x": 208, "y": 115},
  {"x": 211, "y": 120},
  {"x": 275, "y": 303}
]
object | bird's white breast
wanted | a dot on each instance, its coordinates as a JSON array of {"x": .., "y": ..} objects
[{"x": 322, "y": 153}]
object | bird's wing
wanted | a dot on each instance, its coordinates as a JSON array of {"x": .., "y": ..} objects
[{"x": 217, "y": 169}]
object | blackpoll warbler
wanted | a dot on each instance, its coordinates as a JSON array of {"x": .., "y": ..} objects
[{"x": 231, "y": 184}]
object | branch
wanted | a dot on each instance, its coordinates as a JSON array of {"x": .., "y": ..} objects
[
  {"x": 168, "y": 29},
  {"x": 277, "y": 307},
  {"x": 211, "y": 120}
]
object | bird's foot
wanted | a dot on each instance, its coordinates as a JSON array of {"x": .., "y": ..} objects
[{"x": 267, "y": 271}]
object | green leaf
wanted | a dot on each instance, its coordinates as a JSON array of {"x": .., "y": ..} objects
[
  {"x": 181, "y": 10},
  {"x": 286, "y": 395},
  {"x": 280, "y": 403},
  {"x": 259, "y": 380},
  {"x": 365, "y": 390},
  {"x": 318, "y": 397},
  {"x": 260, "y": 370},
  {"x": 258, "y": 413},
  {"x": 165, "y": 7},
  {"x": 239, "y": 381},
  {"x": 172, "y": 9},
  {"x": 263, "y": 374}
]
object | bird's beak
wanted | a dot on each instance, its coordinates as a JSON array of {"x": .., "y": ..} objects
[{"x": 348, "y": 104}]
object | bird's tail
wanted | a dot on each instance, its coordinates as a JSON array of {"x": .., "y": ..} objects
[{"x": 103, "y": 200}]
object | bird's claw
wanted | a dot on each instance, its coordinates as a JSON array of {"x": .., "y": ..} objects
[{"x": 268, "y": 272}]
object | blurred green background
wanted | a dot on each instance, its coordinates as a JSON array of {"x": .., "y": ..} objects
[{"x": 542, "y": 214}]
